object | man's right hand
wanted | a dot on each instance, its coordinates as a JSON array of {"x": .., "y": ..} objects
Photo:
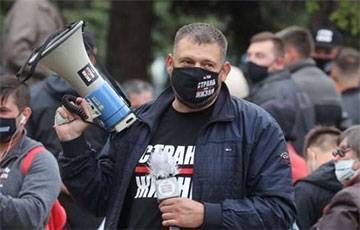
[{"x": 76, "y": 126}]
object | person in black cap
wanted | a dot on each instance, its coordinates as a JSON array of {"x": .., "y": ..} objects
[{"x": 328, "y": 42}]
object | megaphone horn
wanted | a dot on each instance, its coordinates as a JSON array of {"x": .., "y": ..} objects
[{"x": 65, "y": 54}]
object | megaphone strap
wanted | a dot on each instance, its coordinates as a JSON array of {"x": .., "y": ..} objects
[
  {"x": 34, "y": 63},
  {"x": 37, "y": 53}
]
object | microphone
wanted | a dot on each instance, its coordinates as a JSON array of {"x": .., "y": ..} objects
[{"x": 163, "y": 168}]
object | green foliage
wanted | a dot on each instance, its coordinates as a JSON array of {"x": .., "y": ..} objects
[
  {"x": 168, "y": 22},
  {"x": 277, "y": 14},
  {"x": 312, "y": 6},
  {"x": 347, "y": 16}
]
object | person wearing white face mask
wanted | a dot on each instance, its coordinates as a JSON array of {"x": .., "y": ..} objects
[{"x": 344, "y": 209}]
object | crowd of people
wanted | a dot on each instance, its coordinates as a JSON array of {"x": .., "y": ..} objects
[{"x": 271, "y": 144}]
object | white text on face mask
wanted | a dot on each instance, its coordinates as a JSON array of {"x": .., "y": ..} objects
[{"x": 205, "y": 88}]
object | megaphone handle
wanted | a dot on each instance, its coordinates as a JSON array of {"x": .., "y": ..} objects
[{"x": 69, "y": 102}]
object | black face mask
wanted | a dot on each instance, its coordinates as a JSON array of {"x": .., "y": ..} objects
[
  {"x": 324, "y": 64},
  {"x": 195, "y": 87},
  {"x": 255, "y": 73},
  {"x": 7, "y": 129}
]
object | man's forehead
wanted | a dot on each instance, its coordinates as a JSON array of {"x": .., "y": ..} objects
[
  {"x": 261, "y": 46},
  {"x": 188, "y": 47},
  {"x": 7, "y": 101}
]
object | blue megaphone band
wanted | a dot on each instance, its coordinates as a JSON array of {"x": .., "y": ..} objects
[{"x": 109, "y": 104}]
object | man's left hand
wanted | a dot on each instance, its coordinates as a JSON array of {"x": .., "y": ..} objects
[{"x": 182, "y": 212}]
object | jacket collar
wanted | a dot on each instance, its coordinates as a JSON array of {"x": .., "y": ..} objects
[
  {"x": 278, "y": 76},
  {"x": 223, "y": 108},
  {"x": 351, "y": 90},
  {"x": 17, "y": 150},
  {"x": 301, "y": 64}
]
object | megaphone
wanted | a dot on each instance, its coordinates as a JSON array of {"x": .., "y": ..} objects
[{"x": 65, "y": 54}]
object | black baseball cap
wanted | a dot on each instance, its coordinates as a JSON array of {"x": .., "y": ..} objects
[
  {"x": 327, "y": 37},
  {"x": 89, "y": 41}
]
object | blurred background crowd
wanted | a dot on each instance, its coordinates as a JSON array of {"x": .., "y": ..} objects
[{"x": 310, "y": 82}]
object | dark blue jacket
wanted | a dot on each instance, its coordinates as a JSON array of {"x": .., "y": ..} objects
[
  {"x": 280, "y": 86},
  {"x": 241, "y": 168}
]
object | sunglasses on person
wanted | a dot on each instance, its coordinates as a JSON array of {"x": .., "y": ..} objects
[{"x": 342, "y": 150}]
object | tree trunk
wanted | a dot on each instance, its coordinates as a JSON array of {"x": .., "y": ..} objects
[
  {"x": 129, "y": 39},
  {"x": 321, "y": 17}
]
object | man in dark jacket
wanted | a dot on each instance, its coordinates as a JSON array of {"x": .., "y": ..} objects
[
  {"x": 265, "y": 68},
  {"x": 346, "y": 73},
  {"x": 313, "y": 193},
  {"x": 299, "y": 46},
  {"x": 344, "y": 209},
  {"x": 233, "y": 168}
]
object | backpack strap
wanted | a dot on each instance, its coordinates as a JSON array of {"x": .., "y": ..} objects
[{"x": 25, "y": 166}]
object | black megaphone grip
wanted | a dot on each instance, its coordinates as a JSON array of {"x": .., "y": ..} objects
[{"x": 69, "y": 102}]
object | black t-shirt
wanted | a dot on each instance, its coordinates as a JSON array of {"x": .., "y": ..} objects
[{"x": 176, "y": 135}]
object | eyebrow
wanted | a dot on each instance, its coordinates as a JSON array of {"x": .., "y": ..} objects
[
  {"x": 193, "y": 59},
  {"x": 3, "y": 108}
]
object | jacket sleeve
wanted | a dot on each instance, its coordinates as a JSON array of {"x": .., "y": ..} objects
[
  {"x": 342, "y": 212},
  {"x": 306, "y": 215},
  {"x": 38, "y": 192},
  {"x": 87, "y": 174},
  {"x": 269, "y": 203}
]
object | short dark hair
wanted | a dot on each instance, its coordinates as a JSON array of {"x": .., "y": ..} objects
[
  {"x": 89, "y": 42},
  {"x": 268, "y": 36},
  {"x": 202, "y": 33},
  {"x": 10, "y": 85},
  {"x": 298, "y": 38},
  {"x": 348, "y": 61},
  {"x": 322, "y": 137},
  {"x": 352, "y": 136}
]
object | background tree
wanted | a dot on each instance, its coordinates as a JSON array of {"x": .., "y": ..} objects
[
  {"x": 129, "y": 39},
  {"x": 130, "y": 34}
]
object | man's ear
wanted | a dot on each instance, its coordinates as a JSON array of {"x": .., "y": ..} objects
[
  {"x": 291, "y": 55},
  {"x": 225, "y": 71},
  {"x": 280, "y": 62},
  {"x": 334, "y": 73},
  {"x": 26, "y": 113},
  {"x": 169, "y": 64},
  {"x": 311, "y": 154}
]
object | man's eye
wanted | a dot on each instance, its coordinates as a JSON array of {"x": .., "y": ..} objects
[
  {"x": 208, "y": 66},
  {"x": 184, "y": 61}
]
